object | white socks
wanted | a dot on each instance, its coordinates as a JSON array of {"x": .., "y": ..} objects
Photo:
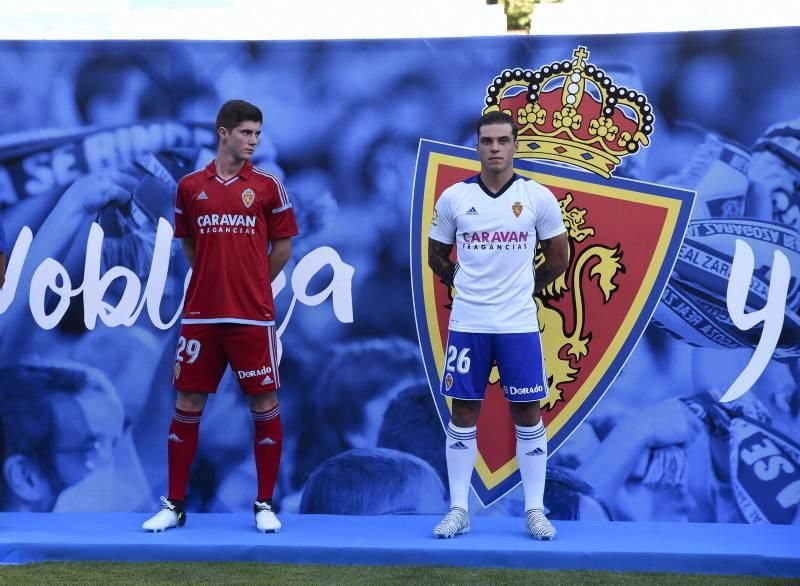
[
  {"x": 461, "y": 450},
  {"x": 532, "y": 460}
]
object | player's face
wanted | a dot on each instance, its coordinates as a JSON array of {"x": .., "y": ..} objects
[
  {"x": 496, "y": 147},
  {"x": 241, "y": 142}
]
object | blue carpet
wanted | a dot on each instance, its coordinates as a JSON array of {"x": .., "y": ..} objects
[{"x": 405, "y": 540}]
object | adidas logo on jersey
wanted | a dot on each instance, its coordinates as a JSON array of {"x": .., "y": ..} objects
[
  {"x": 267, "y": 441},
  {"x": 458, "y": 446},
  {"x": 536, "y": 452},
  {"x": 202, "y": 195},
  {"x": 472, "y": 211},
  {"x": 173, "y": 437}
]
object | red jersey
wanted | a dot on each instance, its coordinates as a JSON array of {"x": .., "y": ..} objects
[{"x": 231, "y": 223}]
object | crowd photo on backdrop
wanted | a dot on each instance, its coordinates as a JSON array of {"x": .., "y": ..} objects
[{"x": 172, "y": 254}]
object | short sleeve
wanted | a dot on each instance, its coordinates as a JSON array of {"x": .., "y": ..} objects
[
  {"x": 182, "y": 229},
  {"x": 549, "y": 222},
  {"x": 281, "y": 222},
  {"x": 443, "y": 225}
]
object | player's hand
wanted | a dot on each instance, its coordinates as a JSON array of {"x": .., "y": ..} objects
[
  {"x": 768, "y": 176},
  {"x": 96, "y": 190},
  {"x": 667, "y": 423}
]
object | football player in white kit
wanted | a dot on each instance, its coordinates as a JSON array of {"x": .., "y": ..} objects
[{"x": 495, "y": 220}]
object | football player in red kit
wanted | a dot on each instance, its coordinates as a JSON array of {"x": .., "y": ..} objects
[{"x": 235, "y": 223}]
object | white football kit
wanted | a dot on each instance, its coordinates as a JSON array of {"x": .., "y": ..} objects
[{"x": 495, "y": 237}]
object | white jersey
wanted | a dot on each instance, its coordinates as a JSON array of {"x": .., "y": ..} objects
[{"x": 495, "y": 237}]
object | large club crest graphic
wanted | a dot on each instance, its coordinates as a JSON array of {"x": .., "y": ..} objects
[{"x": 624, "y": 239}]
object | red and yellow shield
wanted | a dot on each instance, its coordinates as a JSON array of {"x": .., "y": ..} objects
[
  {"x": 248, "y": 197},
  {"x": 624, "y": 240}
]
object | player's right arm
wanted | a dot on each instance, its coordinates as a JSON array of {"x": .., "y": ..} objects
[
  {"x": 441, "y": 236},
  {"x": 183, "y": 225},
  {"x": 188, "y": 249},
  {"x": 439, "y": 261}
]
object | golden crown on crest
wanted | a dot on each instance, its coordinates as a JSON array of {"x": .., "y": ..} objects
[{"x": 572, "y": 112}]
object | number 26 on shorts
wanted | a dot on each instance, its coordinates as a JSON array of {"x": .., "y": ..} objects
[{"x": 461, "y": 360}]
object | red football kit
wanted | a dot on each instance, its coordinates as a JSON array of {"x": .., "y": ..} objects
[{"x": 229, "y": 312}]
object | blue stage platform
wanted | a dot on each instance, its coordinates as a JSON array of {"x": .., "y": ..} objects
[{"x": 405, "y": 540}]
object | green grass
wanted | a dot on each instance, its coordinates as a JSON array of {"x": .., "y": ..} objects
[{"x": 251, "y": 573}]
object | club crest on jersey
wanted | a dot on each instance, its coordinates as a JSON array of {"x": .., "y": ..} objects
[
  {"x": 592, "y": 317},
  {"x": 248, "y": 197}
]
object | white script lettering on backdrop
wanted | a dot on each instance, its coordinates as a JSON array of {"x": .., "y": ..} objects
[{"x": 51, "y": 275}]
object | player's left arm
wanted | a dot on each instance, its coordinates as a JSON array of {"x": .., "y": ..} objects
[
  {"x": 279, "y": 256},
  {"x": 556, "y": 261},
  {"x": 281, "y": 226},
  {"x": 553, "y": 239}
]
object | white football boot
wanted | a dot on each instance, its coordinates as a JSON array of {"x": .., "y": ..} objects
[
  {"x": 266, "y": 521},
  {"x": 456, "y": 522},
  {"x": 538, "y": 525},
  {"x": 171, "y": 515}
]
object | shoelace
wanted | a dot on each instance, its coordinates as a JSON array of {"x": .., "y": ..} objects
[
  {"x": 165, "y": 504},
  {"x": 263, "y": 506}
]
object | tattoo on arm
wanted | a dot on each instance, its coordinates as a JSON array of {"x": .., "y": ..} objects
[
  {"x": 439, "y": 261},
  {"x": 544, "y": 276},
  {"x": 556, "y": 261}
]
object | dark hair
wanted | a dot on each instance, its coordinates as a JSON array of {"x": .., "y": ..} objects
[
  {"x": 496, "y": 117},
  {"x": 355, "y": 373},
  {"x": 373, "y": 481},
  {"x": 411, "y": 424},
  {"x": 234, "y": 112},
  {"x": 102, "y": 75},
  {"x": 26, "y": 390}
]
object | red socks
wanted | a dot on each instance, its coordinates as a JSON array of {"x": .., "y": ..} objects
[
  {"x": 181, "y": 447},
  {"x": 267, "y": 449}
]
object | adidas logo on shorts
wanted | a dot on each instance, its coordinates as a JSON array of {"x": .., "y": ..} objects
[
  {"x": 267, "y": 380},
  {"x": 458, "y": 446},
  {"x": 173, "y": 437},
  {"x": 267, "y": 441},
  {"x": 536, "y": 452}
]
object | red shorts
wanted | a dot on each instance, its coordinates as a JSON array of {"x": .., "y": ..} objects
[{"x": 204, "y": 350}]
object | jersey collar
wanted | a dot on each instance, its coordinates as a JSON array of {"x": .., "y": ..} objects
[
  {"x": 244, "y": 172},
  {"x": 503, "y": 189}
]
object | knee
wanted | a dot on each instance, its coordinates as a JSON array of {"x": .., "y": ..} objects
[
  {"x": 525, "y": 414},
  {"x": 265, "y": 402},
  {"x": 194, "y": 402},
  {"x": 465, "y": 413}
]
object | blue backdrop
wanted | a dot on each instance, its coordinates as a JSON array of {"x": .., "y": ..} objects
[{"x": 89, "y": 309}]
